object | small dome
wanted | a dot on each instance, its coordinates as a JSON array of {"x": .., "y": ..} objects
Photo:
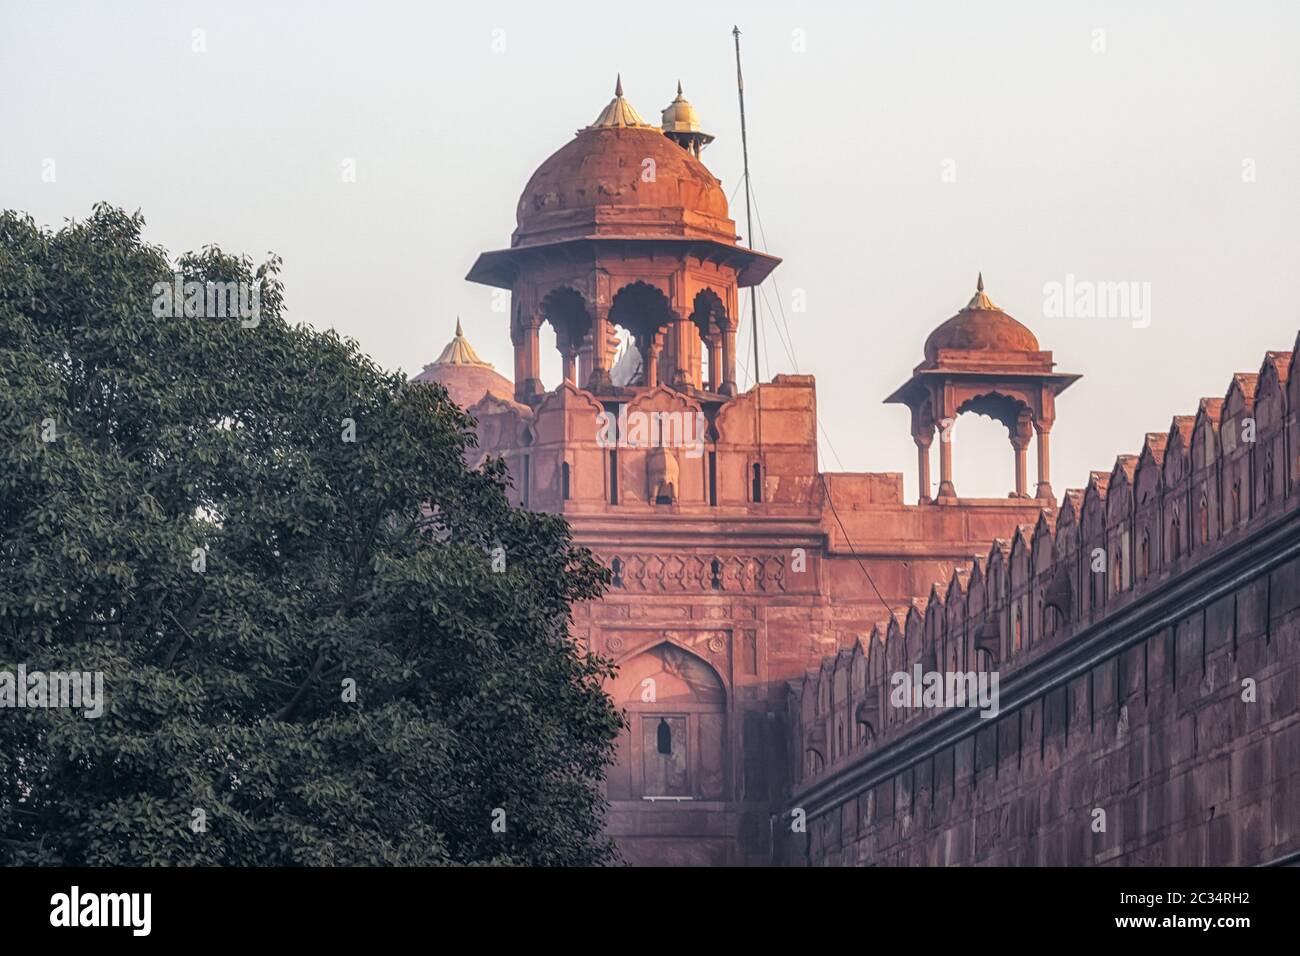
[
  {"x": 681, "y": 124},
  {"x": 980, "y": 327},
  {"x": 466, "y": 377},
  {"x": 680, "y": 116}
]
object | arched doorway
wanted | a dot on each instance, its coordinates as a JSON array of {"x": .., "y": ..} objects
[{"x": 674, "y": 748}]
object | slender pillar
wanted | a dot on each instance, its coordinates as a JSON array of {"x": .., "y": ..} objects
[
  {"x": 599, "y": 380},
  {"x": 1044, "y": 460},
  {"x": 1022, "y": 469},
  {"x": 532, "y": 356},
  {"x": 584, "y": 359},
  {"x": 923, "y": 442},
  {"x": 650, "y": 358},
  {"x": 715, "y": 347},
  {"x": 569, "y": 355},
  {"x": 681, "y": 376},
  {"x": 1024, "y": 431},
  {"x": 729, "y": 359},
  {"x": 946, "y": 489},
  {"x": 518, "y": 338}
]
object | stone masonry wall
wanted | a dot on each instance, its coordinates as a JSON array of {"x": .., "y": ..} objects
[{"x": 1147, "y": 643}]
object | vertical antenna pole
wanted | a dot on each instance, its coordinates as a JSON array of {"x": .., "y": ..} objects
[{"x": 749, "y": 218}]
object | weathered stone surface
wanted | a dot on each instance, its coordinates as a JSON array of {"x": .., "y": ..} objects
[{"x": 756, "y": 658}]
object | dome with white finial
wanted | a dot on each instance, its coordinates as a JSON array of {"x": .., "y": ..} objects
[{"x": 466, "y": 377}]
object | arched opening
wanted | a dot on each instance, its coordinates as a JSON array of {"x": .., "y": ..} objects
[
  {"x": 980, "y": 463},
  {"x": 756, "y": 483},
  {"x": 641, "y": 316},
  {"x": 569, "y": 358},
  {"x": 675, "y": 744},
  {"x": 709, "y": 319}
]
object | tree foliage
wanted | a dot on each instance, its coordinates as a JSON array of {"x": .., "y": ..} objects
[{"x": 184, "y": 442}]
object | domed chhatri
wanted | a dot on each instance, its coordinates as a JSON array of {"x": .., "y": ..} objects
[
  {"x": 621, "y": 176},
  {"x": 681, "y": 124},
  {"x": 466, "y": 377},
  {"x": 980, "y": 327},
  {"x": 624, "y": 227},
  {"x": 983, "y": 361}
]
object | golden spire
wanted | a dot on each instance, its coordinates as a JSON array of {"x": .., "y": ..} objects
[
  {"x": 459, "y": 351},
  {"x": 980, "y": 300},
  {"x": 619, "y": 114}
]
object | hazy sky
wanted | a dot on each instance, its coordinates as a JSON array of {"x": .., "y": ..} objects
[{"x": 897, "y": 149}]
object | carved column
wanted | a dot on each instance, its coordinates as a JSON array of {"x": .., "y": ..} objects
[
  {"x": 569, "y": 356},
  {"x": 715, "y": 348},
  {"x": 599, "y": 380},
  {"x": 946, "y": 489},
  {"x": 532, "y": 356},
  {"x": 1023, "y": 431},
  {"x": 654, "y": 344},
  {"x": 923, "y": 441},
  {"x": 729, "y": 358},
  {"x": 518, "y": 339},
  {"x": 584, "y": 359},
  {"x": 681, "y": 376},
  {"x": 1044, "y": 430}
]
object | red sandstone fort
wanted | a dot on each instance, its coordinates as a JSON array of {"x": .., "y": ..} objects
[{"x": 1145, "y": 629}]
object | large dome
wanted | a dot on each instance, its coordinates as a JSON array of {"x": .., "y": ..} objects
[
  {"x": 622, "y": 177},
  {"x": 980, "y": 327}
]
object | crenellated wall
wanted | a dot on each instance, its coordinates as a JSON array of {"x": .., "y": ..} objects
[{"x": 1147, "y": 646}]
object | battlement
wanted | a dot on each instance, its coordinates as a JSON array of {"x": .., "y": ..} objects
[{"x": 1164, "y": 568}]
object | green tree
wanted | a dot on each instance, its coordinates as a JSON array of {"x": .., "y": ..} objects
[{"x": 275, "y": 553}]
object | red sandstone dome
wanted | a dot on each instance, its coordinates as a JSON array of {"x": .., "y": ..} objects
[
  {"x": 622, "y": 177},
  {"x": 980, "y": 327},
  {"x": 466, "y": 377}
]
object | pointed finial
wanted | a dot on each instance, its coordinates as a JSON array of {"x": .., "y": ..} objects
[
  {"x": 618, "y": 85},
  {"x": 459, "y": 333},
  {"x": 979, "y": 300},
  {"x": 679, "y": 87}
]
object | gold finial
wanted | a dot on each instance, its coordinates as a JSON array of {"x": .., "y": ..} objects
[
  {"x": 459, "y": 351},
  {"x": 979, "y": 300},
  {"x": 619, "y": 113}
]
